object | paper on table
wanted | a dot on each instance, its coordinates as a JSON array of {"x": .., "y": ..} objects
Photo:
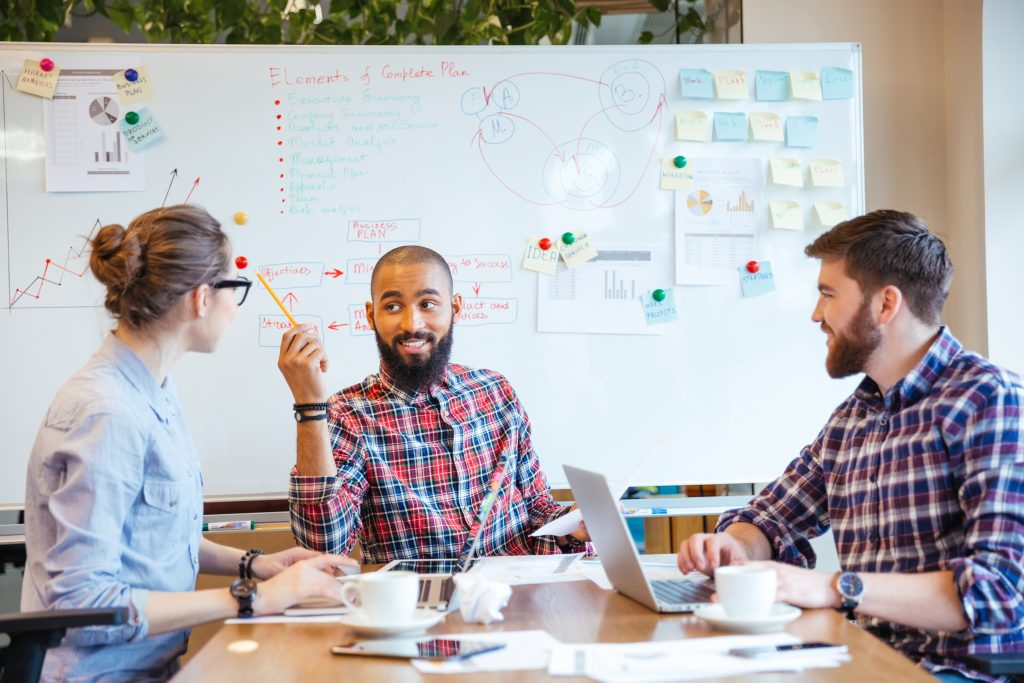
[
  {"x": 523, "y": 650},
  {"x": 282, "y": 619},
  {"x": 520, "y": 570},
  {"x": 673, "y": 660}
]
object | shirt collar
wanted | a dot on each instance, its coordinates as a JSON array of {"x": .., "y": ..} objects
[
  {"x": 414, "y": 397},
  {"x": 138, "y": 375},
  {"x": 920, "y": 380}
]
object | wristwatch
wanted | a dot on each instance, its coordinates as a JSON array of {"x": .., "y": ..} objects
[
  {"x": 851, "y": 590},
  {"x": 302, "y": 408},
  {"x": 244, "y": 590}
]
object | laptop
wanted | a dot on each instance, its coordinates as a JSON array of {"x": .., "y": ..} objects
[
  {"x": 618, "y": 556},
  {"x": 437, "y": 580}
]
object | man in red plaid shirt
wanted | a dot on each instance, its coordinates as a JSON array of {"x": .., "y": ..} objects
[{"x": 401, "y": 461}]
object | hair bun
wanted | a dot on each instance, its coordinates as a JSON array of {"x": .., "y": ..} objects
[{"x": 115, "y": 258}]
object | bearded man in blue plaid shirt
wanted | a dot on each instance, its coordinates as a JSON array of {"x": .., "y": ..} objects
[{"x": 919, "y": 473}]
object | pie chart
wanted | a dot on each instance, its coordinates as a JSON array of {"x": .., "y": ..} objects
[
  {"x": 699, "y": 203},
  {"x": 104, "y": 110}
]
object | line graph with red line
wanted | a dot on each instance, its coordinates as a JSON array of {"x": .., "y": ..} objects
[
  {"x": 539, "y": 138},
  {"x": 53, "y": 272}
]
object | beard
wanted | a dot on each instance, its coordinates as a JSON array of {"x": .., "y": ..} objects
[
  {"x": 851, "y": 350},
  {"x": 418, "y": 374}
]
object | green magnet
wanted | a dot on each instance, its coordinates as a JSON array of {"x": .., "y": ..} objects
[
  {"x": 568, "y": 237},
  {"x": 679, "y": 162},
  {"x": 131, "y": 118},
  {"x": 658, "y": 294}
]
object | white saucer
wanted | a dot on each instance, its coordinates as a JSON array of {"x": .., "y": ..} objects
[
  {"x": 422, "y": 619},
  {"x": 778, "y": 616}
]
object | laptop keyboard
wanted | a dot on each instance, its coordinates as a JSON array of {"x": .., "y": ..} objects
[
  {"x": 436, "y": 591},
  {"x": 680, "y": 591}
]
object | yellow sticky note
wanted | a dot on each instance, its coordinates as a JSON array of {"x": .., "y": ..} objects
[
  {"x": 806, "y": 85},
  {"x": 693, "y": 125},
  {"x": 139, "y": 90},
  {"x": 731, "y": 84},
  {"x": 785, "y": 171},
  {"x": 766, "y": 127},
  {"x": 673, "y": 178},
  {"x": 826, "y": 173},
  {"x": 786, "y": 214},
  {"x": 541, "y": 260},
  {"x": 580, "y": 251},
  {"x": 35, "y": 81},
  {"x": 830, "y": 213}
]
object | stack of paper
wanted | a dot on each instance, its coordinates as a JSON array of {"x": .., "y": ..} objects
[{"x": 676, "y": 660}]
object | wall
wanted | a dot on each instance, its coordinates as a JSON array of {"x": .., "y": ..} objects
[
  {"x": 1003, "y": 54},
  {"x": 922, "y": 70}
]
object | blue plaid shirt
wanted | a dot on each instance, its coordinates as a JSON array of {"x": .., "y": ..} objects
[
  {"x": 414, "y": 467},
  {"x": 926, "y": 477}
]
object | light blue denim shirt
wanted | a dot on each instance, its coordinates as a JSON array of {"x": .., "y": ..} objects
[{"x": 113, "y": 510}]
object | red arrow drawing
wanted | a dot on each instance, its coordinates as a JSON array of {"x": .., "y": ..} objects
[
  {"x": 291, "y": 299},
  {"x": 476, "y": 288},
  {"x": 336, "y": 326},
  {"x": 334, "y": 273},
  {"x": 194, "y": 186}
]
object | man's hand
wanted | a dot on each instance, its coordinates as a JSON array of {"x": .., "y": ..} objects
[
  {"x": 581, "y": 533},
  {"x": 706, "y": 552},
  {"x": 803, "y": 587},
  {"x": 303, "y": 362}
]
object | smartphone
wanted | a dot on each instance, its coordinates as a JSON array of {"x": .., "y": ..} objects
[
  {"x": 437, "y": 648},
  {"x": 794, "y": 648}
]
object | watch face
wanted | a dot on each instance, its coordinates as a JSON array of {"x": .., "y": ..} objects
[
  {"x": 242, "y": 589},
  {"x": 850, "y": 585}
]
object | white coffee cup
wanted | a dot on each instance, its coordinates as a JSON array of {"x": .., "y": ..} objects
[
  {"x": 384, "y": 597},
  {"x": 745, "y": 591}
]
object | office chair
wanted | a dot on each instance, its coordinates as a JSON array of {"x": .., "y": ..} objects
[{"x": 33, "y": 633}]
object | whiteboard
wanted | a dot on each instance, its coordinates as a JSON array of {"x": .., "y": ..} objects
[{"x": 467, "y": 151}]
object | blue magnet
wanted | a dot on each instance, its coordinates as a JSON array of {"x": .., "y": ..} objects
[{"x": 131, "y": 75}]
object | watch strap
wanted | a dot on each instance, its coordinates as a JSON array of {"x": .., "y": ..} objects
[{"x": 302, "y": 417}]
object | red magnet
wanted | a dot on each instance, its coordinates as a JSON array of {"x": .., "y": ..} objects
[
  {"x": 544, "y": 244},
  {"x": 241, "y": 262},
  {"x": 753, "y": 266},
  {"x": 46, "y": 64}
]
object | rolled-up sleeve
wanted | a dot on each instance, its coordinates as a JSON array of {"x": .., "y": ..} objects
[
  {"x": 325, "y": 510},
  {"x": 790, "y": 510},
  {"x": 990, "y": 575},
  {"x": 102, "y": 477}
]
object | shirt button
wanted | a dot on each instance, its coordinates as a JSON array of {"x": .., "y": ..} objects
[
  {"x": 872, "y": 479},
  {"x": 883, "y": 420}
]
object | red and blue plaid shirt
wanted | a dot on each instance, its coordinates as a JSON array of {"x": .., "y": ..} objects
[
  {"x": 413, "y": 469},
  {"x": 928, "y": 477}
]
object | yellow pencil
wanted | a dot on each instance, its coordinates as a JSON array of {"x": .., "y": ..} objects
[{"x": 273, "y": 294}]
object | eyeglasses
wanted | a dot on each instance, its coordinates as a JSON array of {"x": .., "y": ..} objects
[{"x": 240, "y": 284}]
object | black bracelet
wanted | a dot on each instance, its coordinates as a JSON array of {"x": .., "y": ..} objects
[
  {"x": 302, "y": 417},
  {"x": 245, "y": 564},
  {"x": 310, "y": 406}
]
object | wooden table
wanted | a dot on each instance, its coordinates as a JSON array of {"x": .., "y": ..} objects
[{"x": 572, "y": 612}]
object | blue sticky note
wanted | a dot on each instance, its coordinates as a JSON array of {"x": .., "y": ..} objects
[
  {"x": 801, "y": 131},
  {"x": 660, "y": 312},
  {"x": 771, "y": 86},
  {"x": 836, "y": 83},
  {"x": 730, "y": 125},
  {"x": 761, "y": 282},
  {"x": 145, "y": 132},
  {"x": 697, "y": 83}
]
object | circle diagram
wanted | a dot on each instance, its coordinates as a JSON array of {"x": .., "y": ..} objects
[
  {"x": 630, "y": 93},
  {"x": 104, "y": 111},
  {"x": 699, "y": 203},
  {"x": 581, "y": 174}
]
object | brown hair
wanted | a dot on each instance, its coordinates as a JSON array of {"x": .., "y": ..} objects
[
  {"x": 412, "y": 254},
  {"x": 162, "y": 254},
  {"x": 896, "y": 248}
]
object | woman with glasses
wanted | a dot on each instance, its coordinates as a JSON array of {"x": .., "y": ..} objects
[{"x": 113, "y": 510}]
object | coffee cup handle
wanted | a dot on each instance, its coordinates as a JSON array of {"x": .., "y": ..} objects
[{"x": 350, "y": 601}]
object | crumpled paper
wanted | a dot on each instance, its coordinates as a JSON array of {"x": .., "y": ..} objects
[{"x": 481, "y": 600}]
